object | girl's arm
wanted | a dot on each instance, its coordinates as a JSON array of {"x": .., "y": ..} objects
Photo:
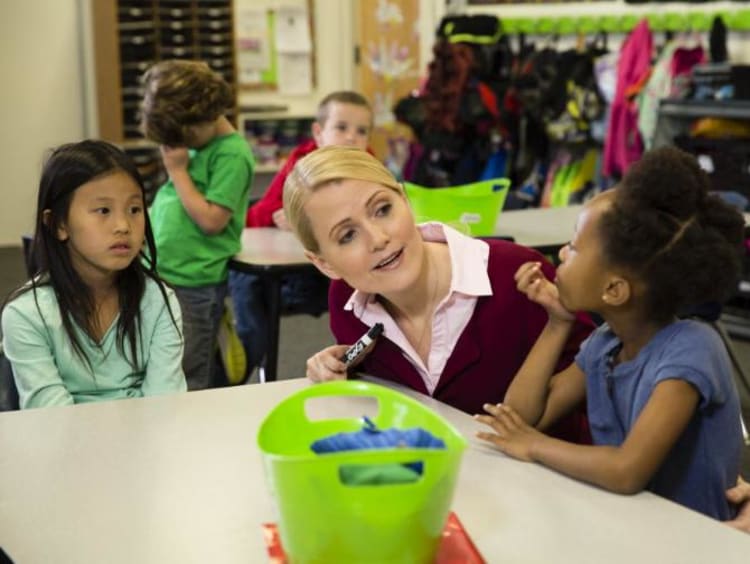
[
  {"x": 625, "y": 469},
  {"x": 35, "y": 372},
  {"x": 164, "y": 369},
  {"x": 538, "y": 396},
  {"x": 212, "y": 218}
]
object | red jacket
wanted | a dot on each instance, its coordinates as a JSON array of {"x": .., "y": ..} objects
[
  {"x": 489, "y": 352},
  {"x": 260, "y": 214}
]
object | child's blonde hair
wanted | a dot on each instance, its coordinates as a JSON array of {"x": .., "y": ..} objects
[
  {"x": 178, "y": 95},
  {"x": 325, "y": 166}
]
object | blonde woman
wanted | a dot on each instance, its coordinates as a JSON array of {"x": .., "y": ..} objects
[{"x": 455, "y": 326}]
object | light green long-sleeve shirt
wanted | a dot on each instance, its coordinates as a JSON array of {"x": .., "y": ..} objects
[{"x": 48, "y": 371}]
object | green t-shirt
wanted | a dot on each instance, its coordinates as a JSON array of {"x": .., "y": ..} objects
[{"x": 222, "y": 171}]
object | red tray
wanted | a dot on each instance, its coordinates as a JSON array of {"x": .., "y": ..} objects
[{"x": 455, "y": 547}]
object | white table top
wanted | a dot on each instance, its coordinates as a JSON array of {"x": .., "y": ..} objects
[
  {"x": 539, "y": 227},
  {"x": 180, "y": 479},
  {"x": 533, "y": 227},
  {"x": 543, "y": 227},
  {"x": 270, "y": 246}
]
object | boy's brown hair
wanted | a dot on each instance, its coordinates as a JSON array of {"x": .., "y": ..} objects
[
  {"x": 180, "y": 94},
  {"x": 341, "y": 97}
]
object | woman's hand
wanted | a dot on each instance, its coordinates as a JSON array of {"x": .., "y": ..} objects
[
  {"x": 512, "y": 436},
  {"x": 530, "y": 280},
  {"x": 327, "y": 364},
  {"x": 740, "y": 495}
]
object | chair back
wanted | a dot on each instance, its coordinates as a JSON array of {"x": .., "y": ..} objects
[
  {"x": 8, "y": 390},
  {"x": 741, "y": 380},
  {"x": 28, "y": 255},
  {"x": 471, "y": 208}
]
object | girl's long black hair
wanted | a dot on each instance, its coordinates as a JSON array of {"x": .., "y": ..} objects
[{"x": 67, "y": 168}]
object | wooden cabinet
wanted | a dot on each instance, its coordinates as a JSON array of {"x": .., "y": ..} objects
[{"x": 130, "y": 35}]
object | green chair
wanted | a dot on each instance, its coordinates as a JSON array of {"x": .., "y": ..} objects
[{"x": 470, "y": 208}]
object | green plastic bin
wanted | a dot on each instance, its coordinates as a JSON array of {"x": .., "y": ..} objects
[
  {"x": 471, "y": 208},
  {"x": 323, "y": 520}
]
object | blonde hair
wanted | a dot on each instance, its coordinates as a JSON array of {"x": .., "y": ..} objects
[
  {"x": 178, "y": 95},
  {"x": 328, "y": 165}
]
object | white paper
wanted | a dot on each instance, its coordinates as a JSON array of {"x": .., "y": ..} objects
[
  {"x": 294, "y": 73},
  {"x": 292, "y": 30},
  {"x": 253, "y": 48}
]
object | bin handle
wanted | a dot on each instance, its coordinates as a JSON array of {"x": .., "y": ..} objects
[
  {"x": 344, "y": 388},
  {"x": 356, "y": 388}
]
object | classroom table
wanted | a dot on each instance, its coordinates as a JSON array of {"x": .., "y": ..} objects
[
  {"x": 180, "y": 479},
  {"x": 270, "y": 253},
  {"x": 544, "y": 229}
]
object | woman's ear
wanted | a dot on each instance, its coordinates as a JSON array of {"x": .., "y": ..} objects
[
  {"x": 322, "y": 265},
  {"x": 61, "y": 232}
]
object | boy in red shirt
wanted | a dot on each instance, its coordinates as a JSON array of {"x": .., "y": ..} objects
[{"x": 343, "y": 118}]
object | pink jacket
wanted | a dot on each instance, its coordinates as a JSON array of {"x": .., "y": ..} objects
[{"x": 623, "y": 144}]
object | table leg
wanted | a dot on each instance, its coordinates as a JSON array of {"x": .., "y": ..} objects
[{"x": 272, "y": 286}]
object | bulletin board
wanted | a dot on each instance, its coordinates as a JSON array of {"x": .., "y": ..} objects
[{"x": 275, "y": 45}]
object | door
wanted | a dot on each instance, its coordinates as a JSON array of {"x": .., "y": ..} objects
[{"x": 387, "y": 69}]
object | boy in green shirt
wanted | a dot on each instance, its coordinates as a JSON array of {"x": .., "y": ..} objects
[{"x": 199, "y": 214}]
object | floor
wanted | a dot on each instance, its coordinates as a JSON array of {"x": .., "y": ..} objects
[{"x": 301, "y": 335}]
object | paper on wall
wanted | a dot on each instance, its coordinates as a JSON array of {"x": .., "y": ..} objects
[
  {"x": 253, "y": 49},
  {"x": 294, "y": 73},
  {"x": 293, "y": 30}
]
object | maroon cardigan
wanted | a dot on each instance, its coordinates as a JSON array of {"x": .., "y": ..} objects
[{"x": 489, "y": 352}]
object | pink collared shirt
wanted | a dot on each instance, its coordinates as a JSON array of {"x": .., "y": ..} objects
[{"x": 469, "y": 280}]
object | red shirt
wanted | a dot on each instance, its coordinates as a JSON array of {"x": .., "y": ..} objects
[{"x": 260, "y": 214}]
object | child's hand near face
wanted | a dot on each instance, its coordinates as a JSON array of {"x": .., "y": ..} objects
[
  {"x": 175, "y": 159},
  {"x": 279, "y": 219},
  {"x": 512, "y": 436},
  {"x": 530, "y": 280}
]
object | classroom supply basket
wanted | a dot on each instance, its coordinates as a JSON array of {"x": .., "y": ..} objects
[
  {"x": 470, "y": 208},
  {"x": 323, "y": 520}
]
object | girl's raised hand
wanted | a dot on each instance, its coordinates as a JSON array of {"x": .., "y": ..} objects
[
  {"x": 327, "y": 365},
  {"x": 531, "y": 281},
  {"x": 511, "y": 436}
]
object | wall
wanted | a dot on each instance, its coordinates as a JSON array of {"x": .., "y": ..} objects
[
  {"x": 44, "y": 95},
  {"x": 41, "y": 100}
]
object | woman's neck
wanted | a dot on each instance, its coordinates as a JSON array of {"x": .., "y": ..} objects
[
  {"x": 413, "y": 310},
  {"x": 431, "y": 285}
]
